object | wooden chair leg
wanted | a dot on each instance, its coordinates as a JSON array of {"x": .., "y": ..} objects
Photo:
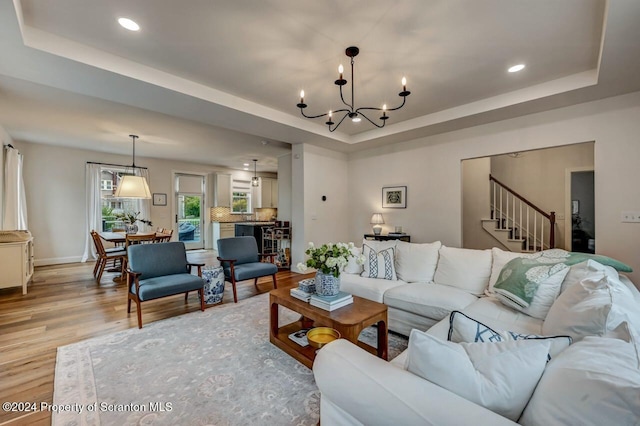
[
  {"x": 255, "y": 283},
  {"x": 139, "y": 313},
  {"x": 95, "y": 268},
  {"x": 129, "y": 305},
  {"x": 275, "y": 283},
  {"x": 235, "y": 294},
  {"x": 186, "y": 296},
  {"x": 103, "y": 264},
  {"x": 201, "y": 293}
]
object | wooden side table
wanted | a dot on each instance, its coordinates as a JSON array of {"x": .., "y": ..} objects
[
  {"x": 349, "y": 320},
  {"x": 387, "y": 237}
]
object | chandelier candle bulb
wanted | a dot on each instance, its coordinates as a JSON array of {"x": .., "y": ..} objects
[
  {"x": 340, "y": 70},
  {"x": 302, "y": 96},
  {"x": 404, "y": 84}
]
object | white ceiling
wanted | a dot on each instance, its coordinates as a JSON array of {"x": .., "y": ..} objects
[{"x": 208, "y": 81}]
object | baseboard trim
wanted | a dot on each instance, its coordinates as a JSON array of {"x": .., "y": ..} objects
[{"x": 59, "y": 260}]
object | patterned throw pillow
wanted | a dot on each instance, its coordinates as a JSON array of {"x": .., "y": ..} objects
[
  {"x": 463, "y": 328},
  {"x": 379, "y": 264}
]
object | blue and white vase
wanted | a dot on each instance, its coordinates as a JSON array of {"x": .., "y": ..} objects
[
  {"x": 213, "y": 284},
  {"x": 327, "y": 284}
]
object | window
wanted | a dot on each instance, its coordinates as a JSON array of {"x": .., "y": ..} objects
[
  {"x": 241, "y": 196},
  {"x": 106, "y": 185},
  {"x": 111, "y": 206},
  {"x": 241, "y": 202}
]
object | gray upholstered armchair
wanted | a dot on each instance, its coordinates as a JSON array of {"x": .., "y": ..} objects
[
  {"x": 241, "y": 261},
  {"x": 160, "y": 270}
]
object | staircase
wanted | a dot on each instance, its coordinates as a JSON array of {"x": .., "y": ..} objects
[{"x": 517, "y": 223}]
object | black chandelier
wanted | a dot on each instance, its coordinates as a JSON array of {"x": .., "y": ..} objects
[{"x": 352, "y": 112}]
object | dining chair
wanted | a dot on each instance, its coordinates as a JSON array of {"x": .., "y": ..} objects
[
  {"x": 105, "y": 255},
  {"x": 139, "y": 239},
  {"x": 116, "y": 229},
  {"x": 241, "y": 261},
  {"x": 164, "y": 237}
]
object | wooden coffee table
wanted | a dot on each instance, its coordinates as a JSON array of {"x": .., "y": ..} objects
[{"x": 349, "y": 320}]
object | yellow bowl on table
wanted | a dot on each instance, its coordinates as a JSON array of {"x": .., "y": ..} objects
[{"x": 320, "y": 336}]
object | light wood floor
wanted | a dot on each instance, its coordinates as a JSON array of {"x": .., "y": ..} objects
[{"x": 64, "y": 305}]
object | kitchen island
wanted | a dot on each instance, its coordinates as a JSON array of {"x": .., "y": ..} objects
[{"x": 252, "y": 229}]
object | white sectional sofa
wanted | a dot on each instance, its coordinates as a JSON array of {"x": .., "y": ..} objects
[{"x": 595, "y": 380}]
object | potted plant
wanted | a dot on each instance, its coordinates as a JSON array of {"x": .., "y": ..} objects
[
  {"x": 130, "y": 219},
  {"x": 329, "y": 260}
]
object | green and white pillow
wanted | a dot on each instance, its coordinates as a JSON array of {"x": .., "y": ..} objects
[
  {"x": 463, "y": 328},
  {"x": 379, "y": 264},
  {"x": 532, "y": 283}
]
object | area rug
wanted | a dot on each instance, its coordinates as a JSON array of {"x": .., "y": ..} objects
[{"x": 203, "y": 368}]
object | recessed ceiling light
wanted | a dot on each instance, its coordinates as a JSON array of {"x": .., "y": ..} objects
[
  {"x": 246, "y": 168},
  {"x": 129, "y": 24},
  {"x": 516, "y": 68},
  {"x": 246, "y": 164}
]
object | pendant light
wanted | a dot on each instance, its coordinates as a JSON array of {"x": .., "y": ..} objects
[
  {"x": 254, "y": 180},
  {"x": 132, "y": 186}
]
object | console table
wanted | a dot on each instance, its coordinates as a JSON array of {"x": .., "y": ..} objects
[{"x": 387, "y": 237}]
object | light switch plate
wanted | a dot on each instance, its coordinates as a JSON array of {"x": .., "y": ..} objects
[{"x": 630, "y": 217}]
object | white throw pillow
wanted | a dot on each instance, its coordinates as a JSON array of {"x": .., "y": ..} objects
[
  {"x": 500, "y": 258},
  {"x": 594, "y": 307},
  {"x": 466, "y": 269},
  {"x": 416, "y": 262},
  {"x": 498, "y": 376},
  {"x": 594, "y": 382},
  {"x": 379, "y": 264},
  {"x": 379, "y": 245},
  {"x": 464, "y": 329},
  {"x": 582, "y": 270},
  {"x": 353, "y": 267}
]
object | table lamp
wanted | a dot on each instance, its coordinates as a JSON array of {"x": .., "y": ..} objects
[{"x": 376, "y": 220}]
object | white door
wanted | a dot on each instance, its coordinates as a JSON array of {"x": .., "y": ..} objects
[{"x": 189, "y": 217}]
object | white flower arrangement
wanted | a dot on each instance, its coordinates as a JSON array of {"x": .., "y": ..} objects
[{"x": 328, "y": 258}]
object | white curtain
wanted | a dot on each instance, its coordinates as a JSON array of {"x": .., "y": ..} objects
[
  {"x": 144, "y": 206},
  {"x": 15, "y": 201},
  {"x": 94, "y": 209}
]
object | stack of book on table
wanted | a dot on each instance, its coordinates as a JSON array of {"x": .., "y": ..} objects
[
  {"x": 300, "y": 294},
  {"x": 330, "y": 303}
]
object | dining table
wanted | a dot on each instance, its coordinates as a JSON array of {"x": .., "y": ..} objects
[{"x": 121, "y": 238}]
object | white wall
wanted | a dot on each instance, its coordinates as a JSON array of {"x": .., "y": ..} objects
[
  {"x": 55, "y": 188},
  {"x": 284, "y": 187},
  {"x": 5, "y": 139},
  {"x": 476, "y": 204},
  {"x": 430, "y": 167},
  {"x": 318, "y": 172}
]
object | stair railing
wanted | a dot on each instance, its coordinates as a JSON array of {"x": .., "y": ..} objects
[{"x": 525, "y": 219}]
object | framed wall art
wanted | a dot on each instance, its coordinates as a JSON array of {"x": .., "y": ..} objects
[
  {"x": 394, "y": 197},
  {"x": 159, "y": 199}
]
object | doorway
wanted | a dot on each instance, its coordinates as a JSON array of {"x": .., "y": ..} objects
[
  {"x": 582, "y": 208},
  {"x": 189, "y": 208}
]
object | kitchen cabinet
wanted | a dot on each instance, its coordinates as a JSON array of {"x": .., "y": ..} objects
[
  {"x": 222, "y": 230},
  {"x": 268, "y": 193},
  {"x": 221, "y": 196},
  {"x": 16, "y": 264}
]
